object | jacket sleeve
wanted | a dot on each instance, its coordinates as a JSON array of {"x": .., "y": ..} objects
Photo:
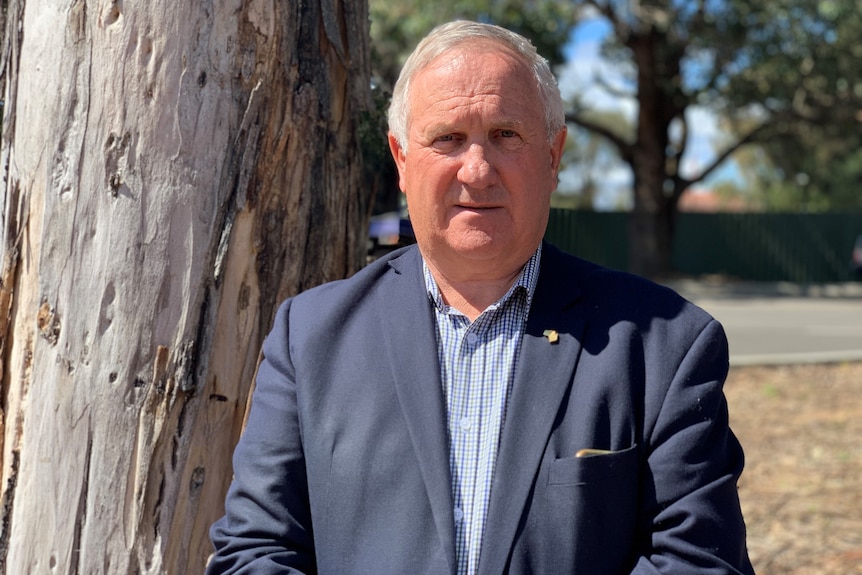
[
  {"x": 266, "y": 528},
  {"x": 692, "y": 521}
]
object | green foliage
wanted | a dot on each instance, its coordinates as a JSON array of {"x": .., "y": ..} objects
[
  {"x": 396, "y": 26},
  {"x": 378, "y": 167},
  {"x": 811, "y": 92},
  {"x": 814, "y": 179}
]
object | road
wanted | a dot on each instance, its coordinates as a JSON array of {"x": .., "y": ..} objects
[{"x": 783, "y": 323}]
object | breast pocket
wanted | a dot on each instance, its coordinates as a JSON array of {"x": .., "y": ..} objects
[{"x": 594, "y": 467}]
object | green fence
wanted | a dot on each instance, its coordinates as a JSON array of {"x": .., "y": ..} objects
[{"x": 762, "y": 247}]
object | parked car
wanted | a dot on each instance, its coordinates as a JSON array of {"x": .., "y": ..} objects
[
  {"x": 389, "y": 231},
  {"x": 857, "y": 255}
]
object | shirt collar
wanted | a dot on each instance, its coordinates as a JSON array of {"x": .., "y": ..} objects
[{"x": 527, "y": 280}]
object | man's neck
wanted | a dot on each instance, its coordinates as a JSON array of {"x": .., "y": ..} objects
[{"x": 472, "y": 296}]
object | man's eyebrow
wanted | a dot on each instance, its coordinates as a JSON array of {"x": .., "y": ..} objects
[
  {"x": 509, "y": 124},
  {"x": 439, "y": 128}
]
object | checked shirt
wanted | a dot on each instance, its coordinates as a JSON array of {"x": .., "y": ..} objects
[{"x": 477, "y": 367}]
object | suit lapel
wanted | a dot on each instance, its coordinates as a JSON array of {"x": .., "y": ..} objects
[
  {"x": 544, "y": 373},
  {"x": 407, "y": 328}
]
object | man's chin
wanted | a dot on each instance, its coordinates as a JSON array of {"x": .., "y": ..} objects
[
  {"x": 475, "y": 242},
  {"x": 482, "y": 252}
]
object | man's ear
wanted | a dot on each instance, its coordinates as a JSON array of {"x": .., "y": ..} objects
[
  {"x": 400, "y": 157},
  {"x": 558, "y": 144}
]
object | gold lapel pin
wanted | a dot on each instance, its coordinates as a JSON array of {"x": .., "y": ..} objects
[{"x": 552, "y": 335}]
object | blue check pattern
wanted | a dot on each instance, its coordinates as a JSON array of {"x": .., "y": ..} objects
[{"x": 477, "y": 367}]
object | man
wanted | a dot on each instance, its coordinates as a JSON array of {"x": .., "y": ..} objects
[{"x": 485, "y": 403}]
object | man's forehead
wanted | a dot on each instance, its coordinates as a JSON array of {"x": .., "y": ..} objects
[
  {"x": 471, "y": 72},
  {"x": 471, "y": 50},
  {"x": 466, "y": 74}
]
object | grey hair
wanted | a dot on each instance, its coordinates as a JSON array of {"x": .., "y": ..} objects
[{"x": 451, "y": 35}]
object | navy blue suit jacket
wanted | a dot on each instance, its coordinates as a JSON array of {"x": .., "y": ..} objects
[{"x": 343, "y": 467}]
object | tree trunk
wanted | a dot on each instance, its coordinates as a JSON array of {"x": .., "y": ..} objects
[
  {"x": 172, "y": 170},
  {"x": 659, "y": 102},
  {"x": 651, "y": 221},
  {"x": 651, "y": 241}
]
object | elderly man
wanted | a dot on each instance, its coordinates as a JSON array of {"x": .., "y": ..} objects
[{"x": 482, "y": 402}]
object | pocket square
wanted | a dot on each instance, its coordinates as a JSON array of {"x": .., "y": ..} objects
[{"x": 593, "y": 452}]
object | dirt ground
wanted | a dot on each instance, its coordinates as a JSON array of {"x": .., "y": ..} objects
[{"x": 801, "y": 492}]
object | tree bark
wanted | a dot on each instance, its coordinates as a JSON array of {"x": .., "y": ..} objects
[{"x": 172, "y": 170}]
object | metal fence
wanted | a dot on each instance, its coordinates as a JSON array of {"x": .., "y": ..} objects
[{"x": 753, "y": 246}]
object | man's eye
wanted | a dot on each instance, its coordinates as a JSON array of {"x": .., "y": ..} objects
[
  {"x": 508, "y": 133},
  {"x": 446, "y": 142}
]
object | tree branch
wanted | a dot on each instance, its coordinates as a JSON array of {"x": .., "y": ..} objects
[
  {"x": 695, "y": 26},
  {"x": 612, "y": 90},
  {"x": 604, "y": 9},
  {"x": 752, "y": 136},
  {"x": 623, "y": 146},
  {"x": 620, "y": 29}
]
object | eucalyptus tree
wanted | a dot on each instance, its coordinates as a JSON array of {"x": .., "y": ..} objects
[{"x": 172, "y": 170}]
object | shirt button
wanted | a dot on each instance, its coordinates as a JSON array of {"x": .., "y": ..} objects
[
  {"x": 459, "y": 515},
  {"x": 472, "y": 338},
  {"x": 465, "y": 423}
]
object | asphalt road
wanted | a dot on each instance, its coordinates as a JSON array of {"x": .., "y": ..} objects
[{"x": 784, "y": 323}]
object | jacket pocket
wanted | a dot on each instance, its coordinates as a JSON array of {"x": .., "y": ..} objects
[{"x": 583, "y": 470}]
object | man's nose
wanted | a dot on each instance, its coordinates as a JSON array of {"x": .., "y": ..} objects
[{"x": 477, "y": 169}]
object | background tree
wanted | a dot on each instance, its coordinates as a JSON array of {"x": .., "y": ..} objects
[
  {"x": 171, "y": 172},
  {"x": 741, "y": 58},
  {"x": 814, "y": 162}
]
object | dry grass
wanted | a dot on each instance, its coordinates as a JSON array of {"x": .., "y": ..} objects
[{"x": 801, "y": 427}]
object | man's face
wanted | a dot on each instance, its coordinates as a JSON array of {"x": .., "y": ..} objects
[{"x": 479, "y": 170}]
